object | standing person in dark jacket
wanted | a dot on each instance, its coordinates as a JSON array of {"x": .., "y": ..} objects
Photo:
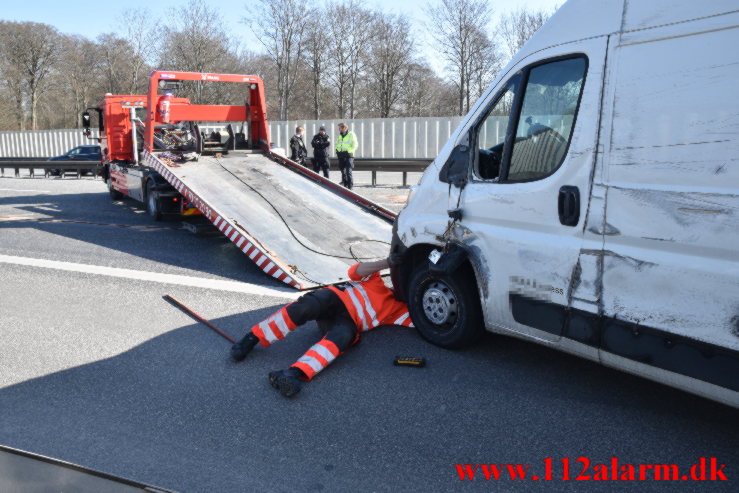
[
  {"x": 320, "y": 143},
  {"x": 346, "y": 146},
  {"x": 298, "y": 152}
]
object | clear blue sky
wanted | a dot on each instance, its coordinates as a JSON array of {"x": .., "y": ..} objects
[{"x": 90, "y": 18}]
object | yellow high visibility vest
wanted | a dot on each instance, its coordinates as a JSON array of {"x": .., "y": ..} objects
[{"x": 346, "y": 143}]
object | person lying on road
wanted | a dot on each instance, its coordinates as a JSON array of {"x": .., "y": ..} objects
[{"x": 343, "y": 311}]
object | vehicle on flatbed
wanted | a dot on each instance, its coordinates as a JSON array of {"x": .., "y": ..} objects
[
  {"x": 295, "y": 225},
  {"x": 589, "y": 201}
]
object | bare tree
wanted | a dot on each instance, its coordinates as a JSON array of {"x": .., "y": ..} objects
[
  {"x": 389, "y": 61},
  {"x": 515, "y": 28},
  {"x": 316, "y": 54},
  {"x": 427, "y": 94},
  {"x": 113, "y": 62},
  {"x": 342, "y": 60},
  {"x": 14, "y": 86},
  {"x": 12, "y": 75},
  {"x": 484, "y": 64},
  {"x": 32, "y": 49},
  {"x": 143, "y": 33},
  {"x": 456, "y": 26},
  {"x": 195, "y": 41},
  {"x": 281, "y": 26},
  {"x": 350, "y": 31},
  {"x": 78, "y": 73}
]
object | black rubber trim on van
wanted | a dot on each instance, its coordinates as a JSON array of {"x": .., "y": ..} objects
[
  {"x": 655, "y": 347},
  {"x": 542, "y": 315}
]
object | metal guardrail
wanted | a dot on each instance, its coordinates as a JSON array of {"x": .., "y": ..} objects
[
  {"x": 34, "y": 164},
  {"x": 404, "y": 166},
  {"x": 41, "y": 144}
]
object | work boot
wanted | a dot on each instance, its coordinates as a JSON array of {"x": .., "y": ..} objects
[
  {"x": 243, "y": 347},
  {"x": 288, "y": 382}
]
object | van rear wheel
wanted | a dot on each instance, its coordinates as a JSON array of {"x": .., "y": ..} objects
[{"x": 445, "y": 307}]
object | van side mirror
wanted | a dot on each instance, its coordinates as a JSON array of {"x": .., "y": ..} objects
[{"x": 456, "y": 168}]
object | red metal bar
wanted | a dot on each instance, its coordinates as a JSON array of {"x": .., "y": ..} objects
[
  {"x": 207, "y": 113},
  {"x": 197, "y": 317},
  {"x": 255, "y": 101}
]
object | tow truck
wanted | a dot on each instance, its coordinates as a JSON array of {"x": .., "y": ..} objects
[{"x": 295, "y": 225}]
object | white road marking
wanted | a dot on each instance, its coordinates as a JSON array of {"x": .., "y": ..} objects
[
  {"x": 23, "y": 190},
  {"x": 140, "y": 275}
]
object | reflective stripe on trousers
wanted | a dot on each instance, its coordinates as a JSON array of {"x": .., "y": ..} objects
[
  {"x": 318, "y": 357},
  {"x": 274, "y": 328}
]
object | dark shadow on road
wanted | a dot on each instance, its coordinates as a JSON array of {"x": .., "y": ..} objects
[
  {"x": 121, "y": 226},
  {"x": 175, "y": 411}
]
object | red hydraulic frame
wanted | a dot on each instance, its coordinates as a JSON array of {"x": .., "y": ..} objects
[{"x": 254, "y": 110}]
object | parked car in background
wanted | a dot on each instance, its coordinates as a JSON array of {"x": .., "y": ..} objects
[{"x": 79, "y": 153}]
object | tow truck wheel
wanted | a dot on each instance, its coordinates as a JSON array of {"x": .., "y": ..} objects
[
  {"x": 114, "y": 194},
  {"x": 445, "y": 307},
  {"x": 153, "y": 205}
]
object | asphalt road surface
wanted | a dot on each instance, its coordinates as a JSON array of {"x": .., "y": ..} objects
[{"x": 97, "y": 369}]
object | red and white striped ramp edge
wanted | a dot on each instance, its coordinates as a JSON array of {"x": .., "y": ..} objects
[{"x": 243, "y": 241}]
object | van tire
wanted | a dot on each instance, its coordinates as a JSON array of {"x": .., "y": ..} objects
[
  {"x": 153, "y": 204},
  {"x": 114, "y": 194},
  {"x": 445, "y": 308}
]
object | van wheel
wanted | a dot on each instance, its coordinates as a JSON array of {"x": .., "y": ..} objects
[
  {"x": 153, "y": 205},
  {"x": 445, "y": 307},
  {"x": 114, "y": 194}
]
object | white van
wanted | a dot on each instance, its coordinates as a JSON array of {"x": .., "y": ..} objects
[{"x": 590, "y": 199}]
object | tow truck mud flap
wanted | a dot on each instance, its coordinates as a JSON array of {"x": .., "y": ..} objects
[
  {"x": 32, "y": 473},
  {"x": 295, "y": 230}
]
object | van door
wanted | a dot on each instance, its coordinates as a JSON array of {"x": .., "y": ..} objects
[
  {"x": 524, "y": 207},
  {"x": 671, "y": 266}
]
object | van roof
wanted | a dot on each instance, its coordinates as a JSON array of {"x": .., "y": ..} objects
[{"x": 580, "y": 19}]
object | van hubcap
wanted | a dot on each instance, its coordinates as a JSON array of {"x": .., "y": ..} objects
[{"x": 439, "y": 303}]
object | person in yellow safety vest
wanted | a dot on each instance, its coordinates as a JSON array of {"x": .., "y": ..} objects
[{"x": 346, "y": 145}]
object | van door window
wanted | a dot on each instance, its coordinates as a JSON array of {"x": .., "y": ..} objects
[
  {"x": 546, "y": 119},
  {"x": 492, "y": 132}
]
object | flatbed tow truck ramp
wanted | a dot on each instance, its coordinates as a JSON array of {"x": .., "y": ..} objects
[
  {"x": 297, "y": 226},
  {"x": 297, "y": 230}
]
